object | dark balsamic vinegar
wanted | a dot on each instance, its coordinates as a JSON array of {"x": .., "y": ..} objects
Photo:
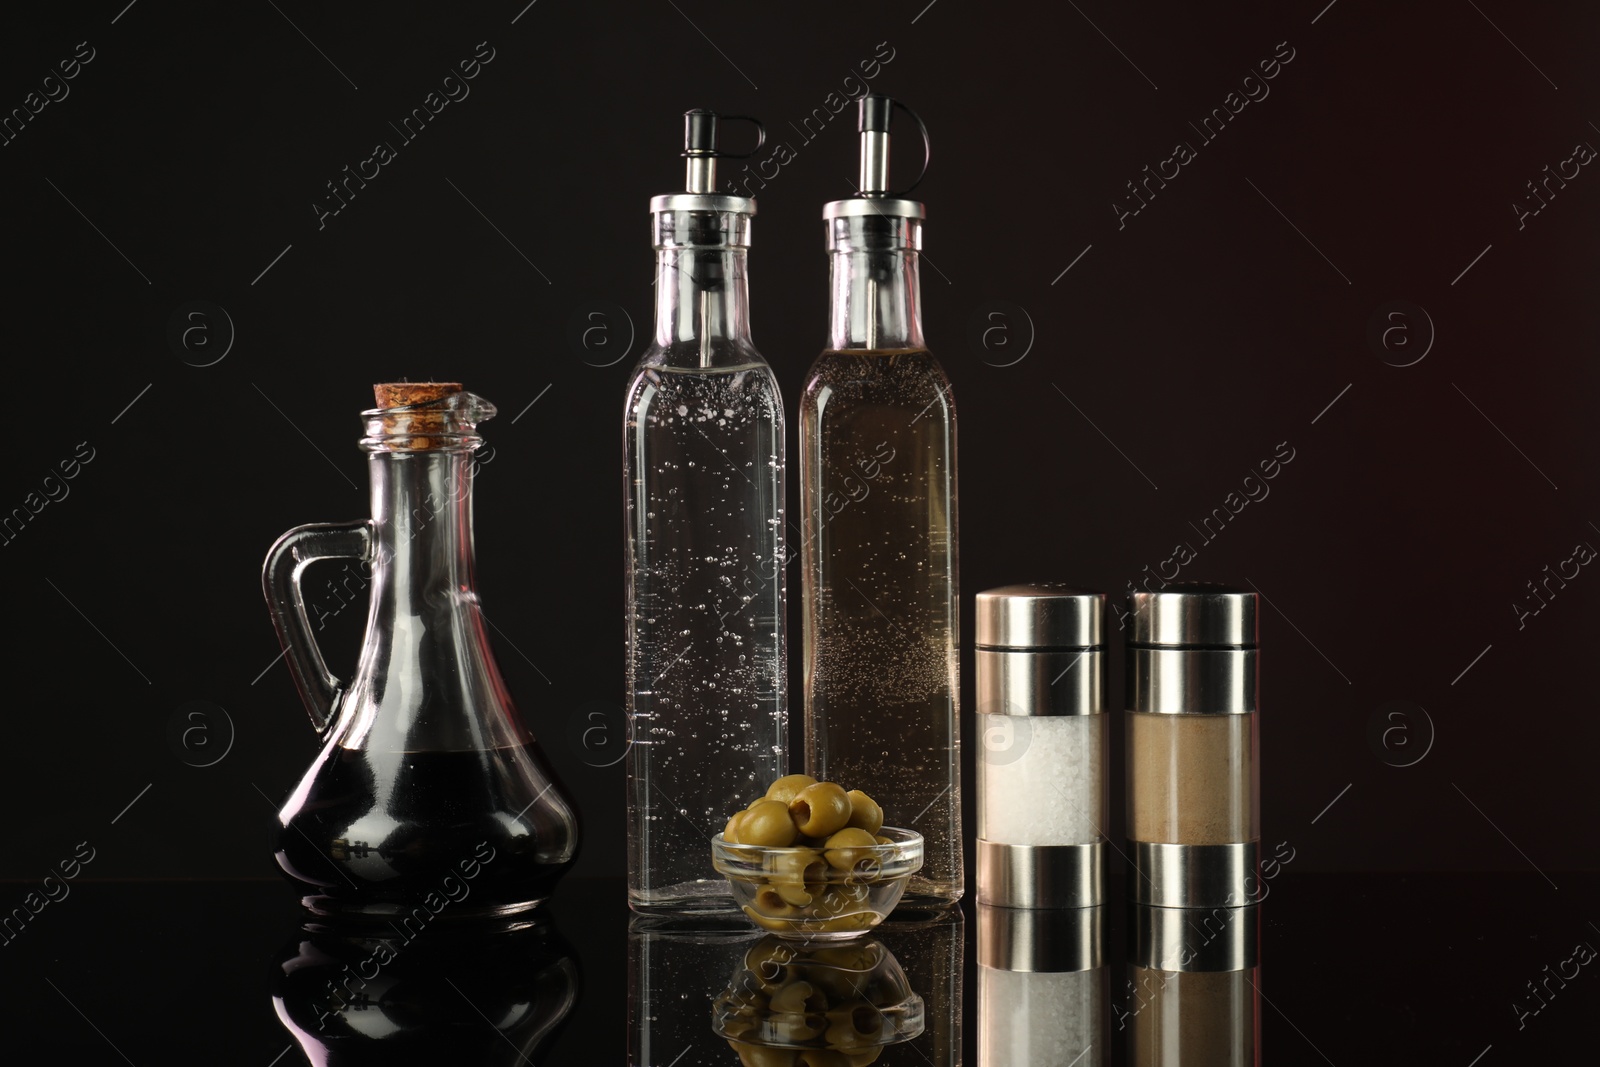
[{"x": 464, "y": 833}]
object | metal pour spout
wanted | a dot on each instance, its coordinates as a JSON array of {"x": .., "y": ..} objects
[
  {"x": 700, "y": 150},
  {"x": 873, "y": 122}
]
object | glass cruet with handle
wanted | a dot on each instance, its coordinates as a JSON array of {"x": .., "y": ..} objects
[{"x": 430, "y": 796}]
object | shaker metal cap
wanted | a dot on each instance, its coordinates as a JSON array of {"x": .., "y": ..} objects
[
  {"x": 1195, "y": 615},
  {"x": 1040, "y": 615}
]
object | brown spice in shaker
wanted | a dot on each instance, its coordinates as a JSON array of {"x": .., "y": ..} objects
[{"x": 1190, "y": 778}]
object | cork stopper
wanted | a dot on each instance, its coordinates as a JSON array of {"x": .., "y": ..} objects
[{"x": 410, "y": 394}]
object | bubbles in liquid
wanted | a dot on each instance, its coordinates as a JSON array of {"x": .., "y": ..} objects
[
  {"x": 706, "y": 603},
  {"x": 880, "y": 571}
]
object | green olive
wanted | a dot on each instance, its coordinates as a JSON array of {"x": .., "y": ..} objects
[
  {"x": 820, "y": 809},
  {"x": 864, "y": 812},
  {"x": 884, "y": 840},
  {"x": 794, "y": 866},
  {"x": 768, "y": 902},
  {"x": 864, "y": 1057},
  {"x": 767, "y": 822},
  {"x": 848, "y": 847},
  {"x": 785, "y": 788},
  {"x": 795, "y": 893},
  {"x": 730, "y": 832},
  {"x": 840, "y": 900},
  {"x": 856, "y": 920},
  {"x": 767, "y": 922}
]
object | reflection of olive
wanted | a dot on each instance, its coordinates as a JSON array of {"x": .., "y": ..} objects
[
  {"x": 793, "y": 1027},
  {"x": 864, "y": 812},
  {"x": 768, "y": 959},
  {"x": 799, "y": 997},
  {"x": 767, "y": 822},
  {"x": 760, "y": 1056},
  {"x": 822, "y": 1057},
  {"x": 853, "y": 1026},
  {"x": 820, "y": 809}
]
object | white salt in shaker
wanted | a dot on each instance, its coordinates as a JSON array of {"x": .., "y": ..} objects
[
  {"x": 1043, "y": 728},
  {"x": 1042, "y": 983}
]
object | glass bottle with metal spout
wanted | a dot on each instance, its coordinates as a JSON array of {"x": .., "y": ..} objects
[
  {"x": 430, "y": 799},
  {"x": 704, "y": 490},
  {"x": 878, "y": 487}
]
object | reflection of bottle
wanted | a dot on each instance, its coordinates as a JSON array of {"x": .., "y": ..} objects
[
  {"x": 675, "y": 969},
  {"x": 1042, "y": 978},
  {"x": 878, "y": 481},
  {"x": 705, "y": 549},
  {"x": 1192, "y": 997},
  {"x": 480, "y": 994},
  {"x": 1194, "y": 787},
  {"x": 930, "y": 943}
]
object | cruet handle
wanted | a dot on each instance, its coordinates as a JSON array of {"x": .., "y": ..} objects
[{"x": 280, "y": 581}]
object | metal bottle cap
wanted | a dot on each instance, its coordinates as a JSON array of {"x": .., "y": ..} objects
[
  {"x": 872, "y": 193},
  {"x": 1195, "y": 615},
  {"x": 701, "y": 153},
  {"x": 1040, "y": 615}
]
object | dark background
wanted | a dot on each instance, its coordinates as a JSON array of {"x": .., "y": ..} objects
[{"x": 1230, "y": 315}]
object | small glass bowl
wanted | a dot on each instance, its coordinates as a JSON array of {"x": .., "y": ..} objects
[{"x": 818, "y": 894}]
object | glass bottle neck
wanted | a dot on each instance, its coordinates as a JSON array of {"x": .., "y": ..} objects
[
  {"x": 876, "y": 295},
  {"x": 702, "y": 298},
  {"x": 422, "y": 525},
  {"x": 427, "y": 680},
  {"x": 702, "y": 288}
]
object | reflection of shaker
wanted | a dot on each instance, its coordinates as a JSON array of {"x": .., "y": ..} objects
[
  {"x": 675, "y": 969},
  {"x": 1041, "y": 774},
  {"x": 1042, "y": 980},
  {"x": 1193, "y": 778},
  {"x": 1192, "y": 996}
]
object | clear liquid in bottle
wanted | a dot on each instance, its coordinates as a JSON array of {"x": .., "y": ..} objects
[{"x": 705, "y": 550}]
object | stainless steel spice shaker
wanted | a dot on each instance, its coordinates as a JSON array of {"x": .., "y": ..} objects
[
  {"x": 1042, "y": 768},
  {"x": 1194, "y": 795}
]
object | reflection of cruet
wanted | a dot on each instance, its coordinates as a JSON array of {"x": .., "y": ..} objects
[
  {"x": 430, "y": 796},
  {"x": 482, "y": 993}
]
